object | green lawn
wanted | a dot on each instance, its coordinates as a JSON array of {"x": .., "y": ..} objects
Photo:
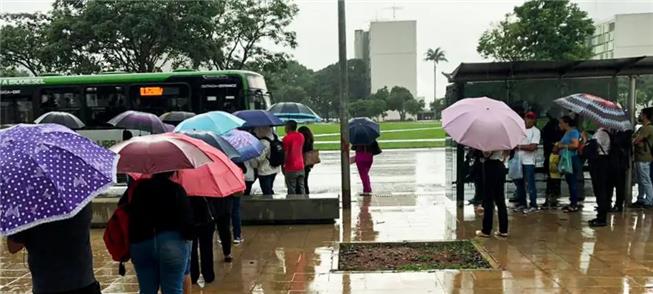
[{"x": 422, "y": 130}]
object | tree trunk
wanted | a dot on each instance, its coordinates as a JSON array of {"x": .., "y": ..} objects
[{"x": 435, "y": 81}]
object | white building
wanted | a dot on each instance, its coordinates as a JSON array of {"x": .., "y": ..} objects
[
  {"x": 392, "y": 49},
  {"x": 626, "y": 35}
]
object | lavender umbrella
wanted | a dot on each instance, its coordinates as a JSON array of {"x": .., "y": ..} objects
[
  {"x": 245, "y": 143},
  {"x": 49, "y": 173},
  {"x": 137, "y": 120}
]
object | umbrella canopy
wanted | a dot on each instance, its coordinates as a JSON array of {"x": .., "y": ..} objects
[
  {"x": 49, "y": 173},
  {"x": 218, "y": 122},
  {"x": 137, "y": 120},
  {"x": 363, "y": 131},
  {"x": 219, "y": 178},
  {"x": 61, "y": 118},
  {"x": 168, "y": 128},
  {"x": 483, "y": 123},
  {"x": 217, "y": 142},
  {"x": 158, "y": 153},
  {"x": 294, "y": 111},
  {"x": 247, "y": 145},
  {"x": 258, "y": 118},
  {"x": 603, "y": 112},
  {"x": 175, "y": 117}
]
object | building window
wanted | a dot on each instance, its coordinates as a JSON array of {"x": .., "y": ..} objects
[{"x": 611, "y": 27}]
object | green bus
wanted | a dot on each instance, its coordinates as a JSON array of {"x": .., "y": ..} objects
[{"x": 95, "y": 99}]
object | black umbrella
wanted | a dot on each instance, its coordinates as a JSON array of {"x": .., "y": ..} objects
[
  {"x": 175, "y": 117},
  {"x": 62, "y": 118}
]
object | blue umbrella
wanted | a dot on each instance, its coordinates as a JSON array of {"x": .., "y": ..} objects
[
  {"x": 247, "y": 145},
  {"x": 217, "y": 142},
  {"x": 258, "y": 118},
  {"x": 49, "y": 173},
  {"x": 62, "y": 118},
  {"x": 294, "y": 111},
  {"x": 363, "y": 131},
  {"x": 218, "y": 122}
]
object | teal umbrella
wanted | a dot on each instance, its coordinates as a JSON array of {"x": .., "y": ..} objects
[{"x": 218, "y": 122}]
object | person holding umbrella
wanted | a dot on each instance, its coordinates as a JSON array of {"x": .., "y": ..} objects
[{"x": 362, "y": 135}]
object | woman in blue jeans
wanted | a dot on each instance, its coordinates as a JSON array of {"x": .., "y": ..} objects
[
  {"x": 161, "y": 234},
  {"x": 570, "y": 143}
]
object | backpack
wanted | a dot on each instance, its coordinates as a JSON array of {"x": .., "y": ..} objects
[
  {"x": 116, "y": 235},
  {"x": 277, "y": 155},
  {"x": 620, "y": 149}
]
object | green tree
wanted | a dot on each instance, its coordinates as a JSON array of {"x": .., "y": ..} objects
[
  {"x": 399, "y": 100},
  {"x": 437, "y": 106},
  {"x": 289, "y": 81},
  {"x": 436, "y": 56},
  {"x": 23, "y": 39},
  {"x": 13, "y": 72},
  {"x": 372, "y": 108},
  {"x": 414, "y": 107},
  {"x": 540, "y": 30},
  {"x": 325, "y": 92}
]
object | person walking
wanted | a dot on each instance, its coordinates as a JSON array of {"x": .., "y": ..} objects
[
  {"x": 526, "y": 153},
  {"x": 643, "y": 141},
  {"x": 59, "y": 255},
  {"x": 570, "y": 143},
  {"x": 160, "y": 234},
  {"x": 551, "y": 134},
  {"x": 308, "y": 147},
  {"x": 493, "y": 174},
  {"x": 293, "y": 168},
  {"x": 600, "y": 170},
  {"x": 364, "y": 159},
  {"x": 202, "y": 251},
  {"x": 266, "y": 172}
]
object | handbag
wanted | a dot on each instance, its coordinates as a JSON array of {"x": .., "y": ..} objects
[
  {"x": 554, "y": 160},
  {"x": 312, "y": 157},
  {"x": 515, "y": 171},
  {"x": 565, "y": 166}
]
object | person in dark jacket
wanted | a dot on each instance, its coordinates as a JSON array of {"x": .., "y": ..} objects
[
  {"x": 308, "y": 146},
  {"x": 160, "y": 233},
  {"x": 551, "y": 133},
  {"x": 202, "y": 253}
]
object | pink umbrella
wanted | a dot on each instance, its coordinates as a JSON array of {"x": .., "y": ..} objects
[
  {"x": 483, "y": 123},
  {"x": 219, "y": 178},
  {"x": 158, "y": 153}
]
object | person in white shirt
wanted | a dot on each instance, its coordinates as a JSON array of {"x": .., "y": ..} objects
[
  {"x": 527, "y": 152},
  {"x": 600, "y": 171}
]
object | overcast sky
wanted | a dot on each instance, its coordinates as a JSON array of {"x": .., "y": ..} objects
[{"x": 453, "y": 25}]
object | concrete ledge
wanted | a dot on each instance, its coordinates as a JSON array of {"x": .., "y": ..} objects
[{"x": 257, "y": 209}]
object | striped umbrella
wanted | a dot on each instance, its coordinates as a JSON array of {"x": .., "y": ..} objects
[{"x": 602, "y": 111}]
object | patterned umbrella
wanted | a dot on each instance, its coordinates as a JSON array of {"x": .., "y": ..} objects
[
  {"x": 603, "y": 112},
  {"x": 247, "y": 145},
  {"x": 294, "y": 111},
  {"x": 49, "y": 173},
  {"x": 62, "y": 118},
  {"x": 137, "y": 120}
]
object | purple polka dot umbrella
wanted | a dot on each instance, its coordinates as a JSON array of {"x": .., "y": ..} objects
[{"x": 49, "y": 173}]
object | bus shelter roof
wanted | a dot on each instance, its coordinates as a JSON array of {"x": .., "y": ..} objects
[{"x": 523, "y": 70}]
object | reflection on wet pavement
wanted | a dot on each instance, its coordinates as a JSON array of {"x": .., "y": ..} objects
[{"x": 547, "y": 252}]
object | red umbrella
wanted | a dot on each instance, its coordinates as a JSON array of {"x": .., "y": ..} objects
[
  {"x": 159, "y": 153},
  {"x": 220, "y": 178}
]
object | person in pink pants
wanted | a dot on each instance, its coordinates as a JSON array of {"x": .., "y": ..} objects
[{"x": 364, "y": 159}]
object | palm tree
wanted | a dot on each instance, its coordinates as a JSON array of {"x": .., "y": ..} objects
[{"x": 436, "y": 56}]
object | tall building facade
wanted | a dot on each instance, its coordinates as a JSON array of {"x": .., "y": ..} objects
[
  {"x": 626, "y": 35},
  {"x": 390, "y": 49}
]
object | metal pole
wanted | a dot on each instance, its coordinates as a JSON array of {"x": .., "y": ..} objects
[
  {"x": 631, "y": 112},
  {"x": 344, "y": 90}
]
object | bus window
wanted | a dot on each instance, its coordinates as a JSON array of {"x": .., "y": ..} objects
[
  {"x": 61, "y": 99},
  {"x": 257, "y": 100},
  {"x": 158, "y": 99},
  {"x": 223, "y": 93},
  {"x": 104, "y": 102},
  {"x": 15, "y": 108}
]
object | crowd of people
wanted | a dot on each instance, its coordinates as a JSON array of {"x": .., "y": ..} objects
[{"x": 566, "y": 150}]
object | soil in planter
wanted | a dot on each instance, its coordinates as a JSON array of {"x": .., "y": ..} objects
[{"x": 416, "y": 256}]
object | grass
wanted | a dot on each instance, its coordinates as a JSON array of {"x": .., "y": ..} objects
[{"x": 411, "y": 131}]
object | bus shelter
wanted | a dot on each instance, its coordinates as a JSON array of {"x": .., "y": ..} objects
[{"x": 533, "y": 85}]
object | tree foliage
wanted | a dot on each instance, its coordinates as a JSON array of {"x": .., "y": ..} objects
[
  {"x": 540, "y": 30},
  {"x": 23, "y": 42},
  {"x": 435, "y": 55},
  {"x": 402, "y": 101}
]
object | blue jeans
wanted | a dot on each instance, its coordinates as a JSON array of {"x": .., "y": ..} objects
[
  {"x": 572, "y": 179},
  {"x": 527, "y": 180},
  {"x": 161, "y": 262},
  {"x": 644, "y": 184},
  {"x": 235, "y": 217}
]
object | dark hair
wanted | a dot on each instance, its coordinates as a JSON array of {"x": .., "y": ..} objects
[
  {"x": 292, "y": 125},
  {"x": 569, "y": 120},
  {"x": 308, "y": 135},
  {"x": 164, "y": 175},
  {"x": 648, "y": 112},
  {"x": 126, "y": 135}
]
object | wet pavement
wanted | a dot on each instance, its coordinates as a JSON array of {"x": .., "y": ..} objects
[{"x": 547, "y": 252}]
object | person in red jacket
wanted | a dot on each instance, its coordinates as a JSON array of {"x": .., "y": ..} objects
[{"x": 293, "y": 168}]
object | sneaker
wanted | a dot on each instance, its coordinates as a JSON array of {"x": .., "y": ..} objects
[
  {"x": 238, "y": 240},
  {"x": 570, "y": 208},
  {"x": 597, "y": 223},
  {"x": 519, "y": 208},
  {"x": 482, "y": 235},
  {"x": 530, "y": 210},
  {"x": 501, "y": 235}
]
